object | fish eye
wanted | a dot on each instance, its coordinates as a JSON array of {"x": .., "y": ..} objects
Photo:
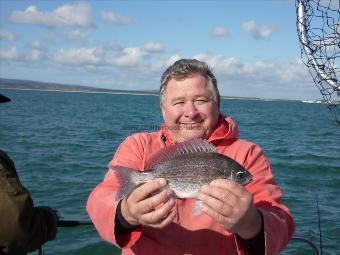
[{"x": 240, "y": 175}]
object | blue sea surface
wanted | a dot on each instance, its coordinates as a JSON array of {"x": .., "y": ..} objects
[{"x": 61, "y": 144}]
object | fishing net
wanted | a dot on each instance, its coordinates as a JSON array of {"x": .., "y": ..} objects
[{"x": 318, "y": 25}]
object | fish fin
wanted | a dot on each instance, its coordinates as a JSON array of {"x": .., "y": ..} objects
[
  {"x": 198, "y": 207},
  {"x": 188, "y": 147},
  {"x": 124, "y": 180}
]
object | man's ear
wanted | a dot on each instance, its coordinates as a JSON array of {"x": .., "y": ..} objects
[{"x": 161, "y": 106}]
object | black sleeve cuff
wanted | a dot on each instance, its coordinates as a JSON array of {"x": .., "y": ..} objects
[
  {"x": 255, "y": 245},
  {"x": 121, "y": 225}
]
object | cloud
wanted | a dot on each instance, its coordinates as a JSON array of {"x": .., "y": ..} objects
[
  {"x": 6, "y": 35},
  {"x": 230, "y": 66},
  {"x": 259, "y": 70},
  {"x": 77, "y": 15},
  {"x": 113, "y": 45},
  {"x": 154, "y": 47},
  {"x": 75, "y": 35},
  {"x": 264, "y": 32},
  {"x": 219, "y": 32},
  {"x": 114, "y": 18},
  {"x": 262, "y": 78},
  {"x": 35, "y": 44},
  {"x": 9, "y": 54},
  {"x": 79, "y": 56},
  {"x": 131, "y": 56},
  {"x": 35, "y": 55},
  {"x": 159, "y": 65}
]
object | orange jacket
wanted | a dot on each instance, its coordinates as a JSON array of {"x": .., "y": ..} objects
[{"x": 190, "y": 234}]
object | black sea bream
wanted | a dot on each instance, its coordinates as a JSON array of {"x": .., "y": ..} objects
[{"x": 186, "y": 166}]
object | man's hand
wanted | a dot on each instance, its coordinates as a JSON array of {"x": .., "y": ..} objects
[
  {"x": 150, "y": 205},
  {"x": 231, "y": 205}
]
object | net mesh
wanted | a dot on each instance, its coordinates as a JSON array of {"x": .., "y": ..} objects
[{"x": 318, "y": 26}]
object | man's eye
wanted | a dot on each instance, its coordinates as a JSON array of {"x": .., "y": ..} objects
[
  {"x": 178, "y": 103},
  {"x": 201, "y": 101}
]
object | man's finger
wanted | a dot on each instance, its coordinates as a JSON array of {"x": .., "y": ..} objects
[
  {"x": 215, "y": 215},
  {"x": 236, "y": 188},
  {"x": 215, "y": 205},
  {"x": 222, "y": 194},
  {"x": 159, "y": 214},
  {"x": 149, "y": 204},
  {"x": 146, "y": 189},
  {"x": 166, "y": 221}
]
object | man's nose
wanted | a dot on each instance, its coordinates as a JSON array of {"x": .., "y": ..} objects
[{"x": 190, "y": 110}]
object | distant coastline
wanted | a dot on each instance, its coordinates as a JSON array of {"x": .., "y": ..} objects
[
  {"x": 56, "y": 87},
  {"x": 85, "y": 91}
]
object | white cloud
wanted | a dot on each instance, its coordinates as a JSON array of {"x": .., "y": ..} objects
[
  {"x": 77, "y": 35},
  {"x": 35, "y": 55},
  {"x": 6, "y": 35},
  {"x": 264, "y": 32},
  {"x": 66, "y": 15},
  {"x": 113, "y": 45},
  {"x": 226, "y": 66},
  {"x": 219, "y": 31},
  {"x": 153, "y": 47},
  {"x": 116, "y": 19},
  {"x": 173, "y": 59},
  {"x": 263, "y": 78},
  {"x": 79, "y": 56},
  {"x": 36, "y": 45},
  {"x": 158, "y": 65},
  {"x": 131, "y": 56},
  {"x": 9, "y": 54}
]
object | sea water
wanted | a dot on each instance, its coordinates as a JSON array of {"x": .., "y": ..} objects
[{"x": 61, "y": 144}]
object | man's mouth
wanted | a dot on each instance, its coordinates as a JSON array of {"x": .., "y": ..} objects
[{"x": 191, "y": 125}]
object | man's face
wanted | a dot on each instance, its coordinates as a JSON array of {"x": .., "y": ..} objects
[{"x": 189, "y": 109}]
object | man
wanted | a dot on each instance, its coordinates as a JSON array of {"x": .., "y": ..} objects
[
  {"x": 235, "y": 219},
  {"x": 23, "y": 227}
]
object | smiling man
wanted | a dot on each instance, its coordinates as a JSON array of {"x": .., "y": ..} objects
[
  {"x": 235, "y": 219},
  {"x": 190, "y": 105}
]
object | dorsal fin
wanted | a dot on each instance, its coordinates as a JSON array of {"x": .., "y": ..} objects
[{"x": 188, "y": 147}]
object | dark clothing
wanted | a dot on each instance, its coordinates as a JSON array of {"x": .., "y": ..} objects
[{"x": 23, "y": 227}]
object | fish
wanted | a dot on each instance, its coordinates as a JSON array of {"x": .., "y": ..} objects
[{"x": 186, "y": 166}]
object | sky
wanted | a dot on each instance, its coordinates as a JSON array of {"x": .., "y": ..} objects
[{"x": 252, "y": 45}]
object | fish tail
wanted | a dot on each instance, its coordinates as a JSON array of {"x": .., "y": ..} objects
[{"x": 124, "y": 181}]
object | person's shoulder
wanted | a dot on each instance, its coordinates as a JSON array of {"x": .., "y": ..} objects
[
  {"x": 142, "y": 137},
  {"x": 249, "y": 144},
  {"x": 246, "y": 142},
  {"x": 3, "y": 155},
  {"x": 246, "y": 147},
  {"x": 133, "y": 150},
  {"x": 5, "y": 160}
]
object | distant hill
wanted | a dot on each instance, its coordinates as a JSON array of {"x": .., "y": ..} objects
[
  {"x": 49, "y": 86},
  {"x": 37, "y": 85}
]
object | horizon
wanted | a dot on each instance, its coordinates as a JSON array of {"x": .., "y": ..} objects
[
  {"x": 98, "y": 90},
  {"x": 111, "y": 45}
]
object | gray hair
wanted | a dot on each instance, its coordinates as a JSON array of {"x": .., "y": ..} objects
[{"x": 185, "y": 68}]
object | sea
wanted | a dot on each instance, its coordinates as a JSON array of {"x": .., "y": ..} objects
[{"x": 61, "y": 144}]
